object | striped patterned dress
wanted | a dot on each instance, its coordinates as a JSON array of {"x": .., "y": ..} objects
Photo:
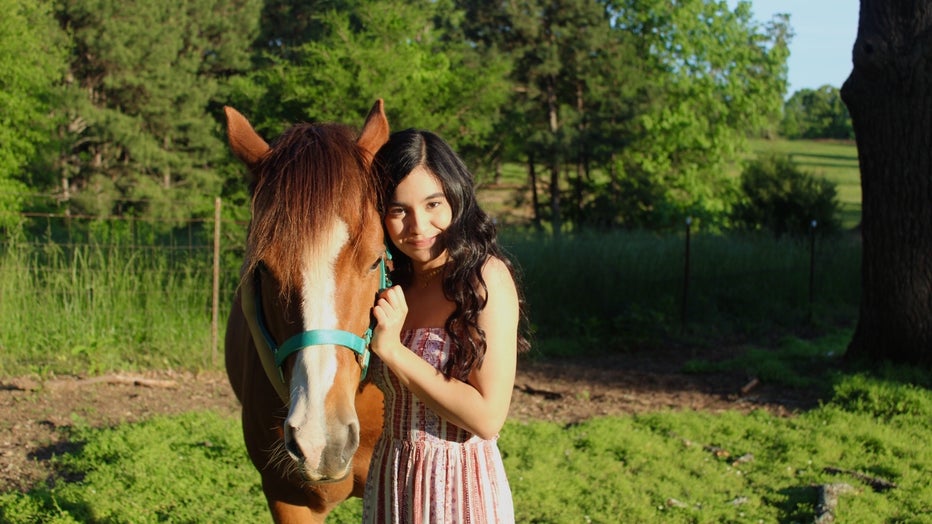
[{"x": 427, "y": 470}]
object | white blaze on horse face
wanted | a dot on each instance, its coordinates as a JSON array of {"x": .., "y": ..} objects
[{"x": 315, "y": 367}]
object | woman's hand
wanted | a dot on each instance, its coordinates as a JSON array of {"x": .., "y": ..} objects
[{"x": 390, "y": 312}]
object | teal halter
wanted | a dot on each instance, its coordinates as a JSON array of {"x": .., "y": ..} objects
[{"x": 319, "y": 337}]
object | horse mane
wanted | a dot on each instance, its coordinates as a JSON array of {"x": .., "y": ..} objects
[{"x": 313, "y": 174}]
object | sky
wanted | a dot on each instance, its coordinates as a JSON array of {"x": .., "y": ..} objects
[{"x": 825, "y": 30}]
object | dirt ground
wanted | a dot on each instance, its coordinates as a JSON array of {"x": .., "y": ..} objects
[{"x": 34, "y": 416}]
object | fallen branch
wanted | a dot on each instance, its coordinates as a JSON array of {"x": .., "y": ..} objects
[
  {"x": 876, "y": 483},
  {"x": 828, "y": 501},
  {"x": 548, "y": 395},
  {"x": 112, "y": 379},
  {"x": 749, "y": 386}
]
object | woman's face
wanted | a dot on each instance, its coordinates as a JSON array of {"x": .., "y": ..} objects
[{"x": 416, "y": 216}]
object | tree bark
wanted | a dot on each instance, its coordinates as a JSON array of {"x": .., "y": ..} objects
[
  {"x": 532, "y": 180},
  {"x": 889, "y": 97},
  {"x": 554, "y": 161}
]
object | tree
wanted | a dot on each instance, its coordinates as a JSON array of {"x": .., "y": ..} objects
[
  {"x": 396, "y": 50},
  {"x": 889, "y": 96},
  {"x": 141, "y": 138},
  {"x": 778, "y": 197},
  {"x": 717, "y": 78},
  {"x": 660, "y": 96},
  {"x": 817, "y": 113},
  {"x": 32, "y": 67},
  {"x": 568, "y": 66}
]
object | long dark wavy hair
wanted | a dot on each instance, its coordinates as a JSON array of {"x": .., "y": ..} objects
[{"x": 469, "y": 240}]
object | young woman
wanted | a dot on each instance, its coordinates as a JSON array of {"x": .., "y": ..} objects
[{"x": 446, "y": 344}]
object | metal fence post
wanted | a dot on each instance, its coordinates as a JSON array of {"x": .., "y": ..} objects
[
  {"x": 812, "y": 229},
  {"x": 215, "y": 308},
  {"x": 683, "y": 311}
]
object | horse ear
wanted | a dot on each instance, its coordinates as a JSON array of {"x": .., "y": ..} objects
[
  {"x": 374, "y": 131},
  {"x": 247, "y": 145}
]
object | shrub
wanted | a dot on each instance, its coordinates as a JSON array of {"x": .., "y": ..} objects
[{"x": 776, "y": 196}]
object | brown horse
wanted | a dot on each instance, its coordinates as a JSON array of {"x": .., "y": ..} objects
[{"x": 295, "y": 347}]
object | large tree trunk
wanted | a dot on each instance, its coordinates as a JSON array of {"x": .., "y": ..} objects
[{"x": 889, "y": 96}]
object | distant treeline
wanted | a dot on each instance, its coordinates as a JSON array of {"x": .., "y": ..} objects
[
  {"x": 625, "y": 113},
  {"x": 816, "y": 113}
]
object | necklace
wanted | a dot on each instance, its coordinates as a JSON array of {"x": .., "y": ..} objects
[{"x": 428, "y": 276}]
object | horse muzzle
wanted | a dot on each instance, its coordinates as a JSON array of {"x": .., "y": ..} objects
[{"x": 326, "y": 457}]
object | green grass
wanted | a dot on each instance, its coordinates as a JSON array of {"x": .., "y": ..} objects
[
  {"x": 792, "y": 362},
  {"x": 618, "y": 291},
  {"x": 94, "y": 308},
  {"x": 836, "y": 161},
  {"x": 670, "y": 466}
]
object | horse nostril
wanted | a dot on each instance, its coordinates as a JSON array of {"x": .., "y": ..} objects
[
  {"x": 352, "y": 441},
  {"x": 291, "y": 444},
  {"x": 294, "y": 449}
]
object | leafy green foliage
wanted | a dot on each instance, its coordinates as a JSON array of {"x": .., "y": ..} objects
[
  {"x": 402, "y": 52},
  {"x": 718, "y": 79},
  {"x": 658, "y": 96},
  {"x": 818, "y": 113},
  {"x": 778, "y": 197},
  {"x": 32, "y": 66}
]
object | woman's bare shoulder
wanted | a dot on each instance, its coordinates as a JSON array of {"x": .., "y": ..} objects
[
  {"x": 498, "y": 278},
  {"x": 496, "y": 268}
]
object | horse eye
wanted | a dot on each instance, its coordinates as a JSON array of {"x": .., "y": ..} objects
[{"x": 375, "y": 265}]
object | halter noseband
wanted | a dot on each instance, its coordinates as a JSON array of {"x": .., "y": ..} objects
[{"x": 305, "y": 339}]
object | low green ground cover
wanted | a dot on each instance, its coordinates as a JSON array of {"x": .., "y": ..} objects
[{"x": 673, "y": 466}]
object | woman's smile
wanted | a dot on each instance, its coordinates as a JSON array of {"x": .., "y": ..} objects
[{"x": 421, "y": 242}]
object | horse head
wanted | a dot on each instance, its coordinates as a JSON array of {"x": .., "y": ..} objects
[{"x": 313, "y": 257}]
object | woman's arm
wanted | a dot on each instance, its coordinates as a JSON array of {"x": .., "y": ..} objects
[{"x": 481, "y": 404}]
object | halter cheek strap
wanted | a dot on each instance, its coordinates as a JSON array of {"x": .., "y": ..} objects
[{"x": 273, "y": 356}]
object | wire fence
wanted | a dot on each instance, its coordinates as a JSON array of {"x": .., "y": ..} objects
[
  {"x": 153, "y": 284},
  {"x": 65, "y": 264}
]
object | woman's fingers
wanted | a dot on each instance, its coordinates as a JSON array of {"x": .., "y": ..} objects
[{"x": 391, "y": 306}]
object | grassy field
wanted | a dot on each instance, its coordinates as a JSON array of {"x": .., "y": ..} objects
[{"x": 674, "y": 466}]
